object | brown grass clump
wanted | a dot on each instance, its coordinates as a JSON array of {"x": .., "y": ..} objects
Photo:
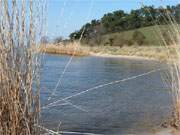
[{"x": 19, "y": 67}]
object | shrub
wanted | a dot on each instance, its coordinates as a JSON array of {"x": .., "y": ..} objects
[
  {"x": 129, "y": 42},
  {"x": 120, "y": 41},
  {"x": 111, "y": 41},
  {"x": 138, "y": 37}
]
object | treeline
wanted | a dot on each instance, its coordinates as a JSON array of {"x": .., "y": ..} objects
[{"x": 119, "y": 21}]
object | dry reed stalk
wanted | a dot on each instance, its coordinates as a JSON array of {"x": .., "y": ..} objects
[
  {"x": 172, "y": 78},
  {"x": 19, "y": 66}
]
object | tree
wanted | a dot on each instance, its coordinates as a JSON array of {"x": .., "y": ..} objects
[
  {"x": 148, "y": 13},
  {"x": 107, "y": 21},
  {"x": 135, "y": 19},
  {"x": 75, "y": 35},
  {"x": 119, "y": 21}
]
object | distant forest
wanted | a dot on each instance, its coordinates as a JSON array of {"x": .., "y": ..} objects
[{"x": 120, "y": 21}]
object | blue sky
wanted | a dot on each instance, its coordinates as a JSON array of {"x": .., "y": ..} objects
[{"x": 66, "y": 16}]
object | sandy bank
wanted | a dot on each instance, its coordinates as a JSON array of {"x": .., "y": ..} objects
[
  {"x": 166, "y": 131},
  {"x": 122, "y": 56}
]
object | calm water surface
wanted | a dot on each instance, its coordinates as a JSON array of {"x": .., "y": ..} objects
[{"x": 133, "y": 106}]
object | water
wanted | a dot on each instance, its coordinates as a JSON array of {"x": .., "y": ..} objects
[{"x": 137, "y": 105}]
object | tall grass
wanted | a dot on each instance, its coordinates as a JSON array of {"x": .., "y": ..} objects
[
  {"x": 19, "y": 66},
  {"x": 174, "y": 73},
  {"x": 173, "y": 56}
]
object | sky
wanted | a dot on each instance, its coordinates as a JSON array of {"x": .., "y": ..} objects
[{"x": 66, "y": 16}]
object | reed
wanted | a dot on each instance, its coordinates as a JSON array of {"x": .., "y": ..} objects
[
  {"x": 19, "y": 66},
  {"x": 172, "y": 77},
  {"x": 174, "y": 73}
]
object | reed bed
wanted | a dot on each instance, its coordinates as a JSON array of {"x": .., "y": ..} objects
[
  {"x": 20, "y": 66},
  {"x": 150, "y": 52},
  {"x": 73, "y": 48}
]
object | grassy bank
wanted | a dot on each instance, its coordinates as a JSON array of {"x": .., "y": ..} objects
[
  {"x": 151, "y": 52},
  {"x": 126, "y": 37},
  {"x": 151, "y": 35},
  {"x": 147, "y": 44}
]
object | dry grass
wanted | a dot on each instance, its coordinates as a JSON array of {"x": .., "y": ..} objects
[
  {"x": 19, "y": 67},
  {"x": 173, "y": 76},
  {"x": 71, "y": 49},
  {"x": 151, "y": 52}
]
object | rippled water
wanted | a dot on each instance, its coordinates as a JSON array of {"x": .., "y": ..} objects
[{"x": 132, "y": 106}]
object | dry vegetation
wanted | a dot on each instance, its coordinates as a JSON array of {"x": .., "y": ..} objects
[
  {"x": 71, "y": 49},
  {"x": 173, "y": 76},
  {"x": 151, "y": 52},
  {"x": 19, "y": 67}
]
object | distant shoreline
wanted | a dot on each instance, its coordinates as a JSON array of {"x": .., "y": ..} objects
[
  {"x": 155, "y": 53},
  {"x": 123, "y": 56}
]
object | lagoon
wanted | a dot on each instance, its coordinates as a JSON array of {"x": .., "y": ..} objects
[{"x": 131, "y": 106}]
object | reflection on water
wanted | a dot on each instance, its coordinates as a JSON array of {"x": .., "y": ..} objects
[{"x": 128, "y": 107}]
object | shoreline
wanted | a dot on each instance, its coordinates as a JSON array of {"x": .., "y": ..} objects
[
  {"x": 153, "y": 53},
  {"x": 167, "y": 131},
  {"x": 131, "y": 57}
]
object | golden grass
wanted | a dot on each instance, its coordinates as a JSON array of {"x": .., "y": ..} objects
[
  {"x": 173, "y": 75},
  {"x": 19, "y": 67},
  {"x": 152, "y": 52},
  {"x": 70, "y": 49}
]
